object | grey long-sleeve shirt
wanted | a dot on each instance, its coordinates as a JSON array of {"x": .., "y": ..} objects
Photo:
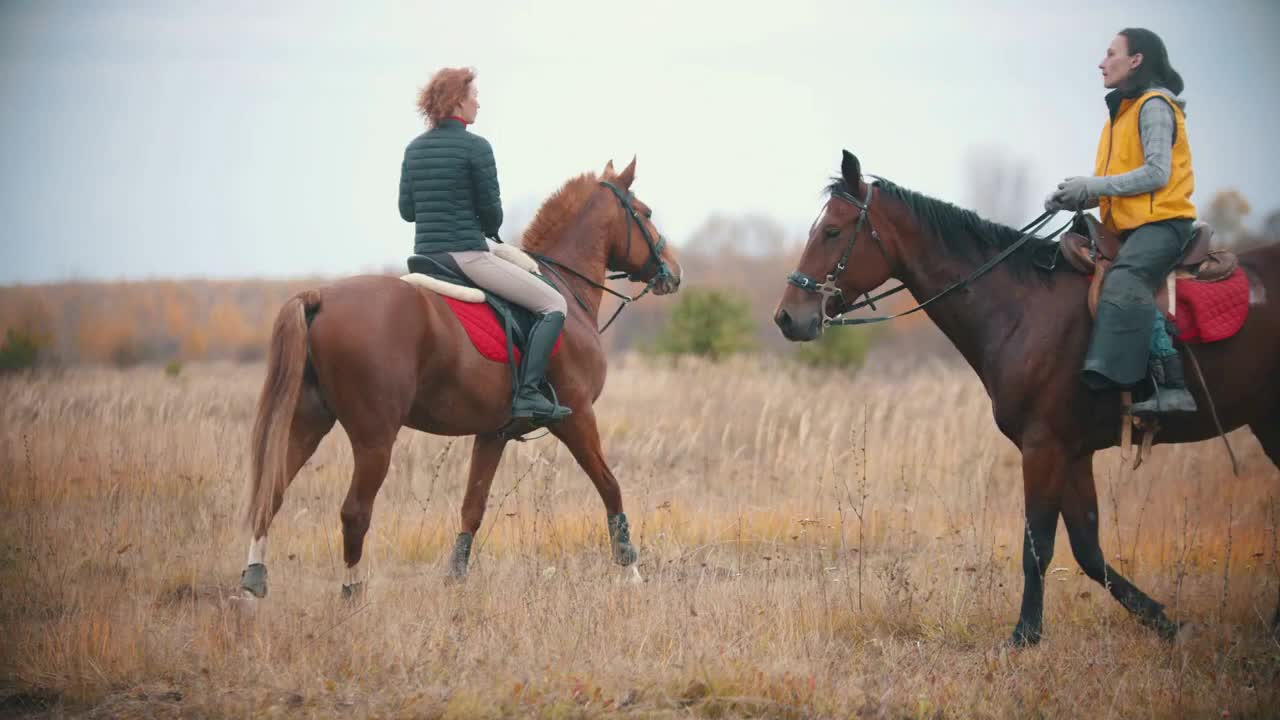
[{"x": 1156, "y": 126}]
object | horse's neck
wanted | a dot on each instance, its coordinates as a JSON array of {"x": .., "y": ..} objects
[
  {"x": 977, "y": 319},
  {"x": 583, "y": 248}
]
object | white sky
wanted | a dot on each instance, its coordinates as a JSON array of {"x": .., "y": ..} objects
[{"x": 222, "y": 139}]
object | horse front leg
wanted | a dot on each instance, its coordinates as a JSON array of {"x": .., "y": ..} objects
[
  {"x": 1080, "y": 513},
  {"x": 579, "y": 433},
  {"x": 1044, "y": 468}
]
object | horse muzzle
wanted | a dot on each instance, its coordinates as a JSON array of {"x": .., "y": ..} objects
[
  {"x": 669, "y": 282},
  {"x": 801, "y": 327}
]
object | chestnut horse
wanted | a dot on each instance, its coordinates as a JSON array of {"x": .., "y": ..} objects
[
  {"x": 1024, "y": 332},
  {"x": 376, "y": 353}
]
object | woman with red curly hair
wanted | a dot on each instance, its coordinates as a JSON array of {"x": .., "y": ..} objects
[{"x": 449, "y": 189}]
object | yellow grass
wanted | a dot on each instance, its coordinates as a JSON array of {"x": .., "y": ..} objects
[{"x": 766, "y": 595}]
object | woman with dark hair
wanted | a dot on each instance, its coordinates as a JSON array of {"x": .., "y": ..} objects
[
  {"x": 449, "y": 189},
  {"x": 1142, "y": 186}
]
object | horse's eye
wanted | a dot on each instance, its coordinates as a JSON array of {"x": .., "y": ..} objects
[
  {"x": 831, "y": 232},
  {"x": 648, "y": 213}
]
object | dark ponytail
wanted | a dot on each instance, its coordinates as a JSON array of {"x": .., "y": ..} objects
[{"x": 1155, "y": 68}]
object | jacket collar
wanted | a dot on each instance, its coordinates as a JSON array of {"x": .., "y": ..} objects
[{"x": 1116, "y": 97}]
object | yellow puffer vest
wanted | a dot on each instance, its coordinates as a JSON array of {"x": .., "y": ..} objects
[{"x": 1120, "y": 151}]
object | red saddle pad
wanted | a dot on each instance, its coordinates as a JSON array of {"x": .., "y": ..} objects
[
  {"x": 1210, "y": 311},
  {"x": 485, "y": 331}
]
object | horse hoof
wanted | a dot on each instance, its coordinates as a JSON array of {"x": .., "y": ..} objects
[
  {"x": 254, "y": 580},
  {"x": 1170, "y": 631},
  {"x": 1167, "y": 629},
  {"x": 631, "y": 575},
  {"x": 1024, "y": 637},
  {"x": 625, "y": 555},
  {"x": 353, "y": 592}
]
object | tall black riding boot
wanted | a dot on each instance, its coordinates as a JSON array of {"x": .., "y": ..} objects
[
  {"x": 529, "y": 402},
  {"x": 1171, "y": 395}
]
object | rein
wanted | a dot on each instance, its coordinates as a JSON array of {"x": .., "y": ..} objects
[
  {"x": 829, "y": 287},
  {"x": 655, "y": 257}
]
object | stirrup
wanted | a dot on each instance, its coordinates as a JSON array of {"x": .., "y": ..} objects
[
  {"x": 548, "y": 413},
  {"x": 1166, "y": 401},
  {"x": 555, "y": 413}
]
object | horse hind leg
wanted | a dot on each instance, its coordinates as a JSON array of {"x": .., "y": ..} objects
[
  {"x": 486, "y": 453},
  {"x": 1268, "y": 433},
  {"x": 371, "y": 463},
  {"x": 311, "y": 422}
]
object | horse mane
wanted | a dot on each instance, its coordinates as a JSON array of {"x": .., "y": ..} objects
[
  {"x": 557, "y": 212},
  {"x": 961, "y": 231}
]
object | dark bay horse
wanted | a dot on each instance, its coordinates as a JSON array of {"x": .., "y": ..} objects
[
  {"x": 376, "y": 353},
  {"x": 1024, "y": 332}
]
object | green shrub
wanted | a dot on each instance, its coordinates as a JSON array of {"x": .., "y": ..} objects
[
  {"x": 839, "y": 347},
  {"x": 707, "y": 322},
  {"x": 127, "y": 353},
  {"x": 20, "y": 350}
]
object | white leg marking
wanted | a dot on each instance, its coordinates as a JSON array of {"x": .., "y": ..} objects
[
  {"x": 353, "y": 575},
  {"x": 630, "y": 575},
  {"x": 258, "y": 551}
]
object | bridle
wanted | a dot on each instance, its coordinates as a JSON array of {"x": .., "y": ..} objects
[
  {"x": 632, "y": 217},
  {"x": 829, "y": 288}
]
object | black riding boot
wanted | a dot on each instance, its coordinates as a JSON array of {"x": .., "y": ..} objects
[
  {"x": 1171, "y": 395},
  {"x": 529, "y": 401}
]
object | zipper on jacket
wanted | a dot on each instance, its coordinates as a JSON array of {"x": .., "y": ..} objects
[{"x": 1106, "y": 167}]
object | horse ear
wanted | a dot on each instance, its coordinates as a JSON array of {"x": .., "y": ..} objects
[
  {"x": 628, "y": 175},
  {"x": 851, "y": 171},
  {"x": 608, "y": 170}
]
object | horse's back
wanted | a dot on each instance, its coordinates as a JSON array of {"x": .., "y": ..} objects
[{"x": 367, "y": 309}]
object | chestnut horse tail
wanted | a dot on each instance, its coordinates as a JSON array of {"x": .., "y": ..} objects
[{"x": 286, "y": 362}]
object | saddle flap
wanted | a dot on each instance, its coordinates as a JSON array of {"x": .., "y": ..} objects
[
  {"x": 1075, "y": 248},
  {"x": 1107, "y": 242}
]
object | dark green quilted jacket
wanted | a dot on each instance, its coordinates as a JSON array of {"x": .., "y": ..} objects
[{"x": 449, "y": 189}]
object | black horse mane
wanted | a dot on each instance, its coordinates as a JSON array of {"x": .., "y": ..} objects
[{"x": 961, "y": 231}]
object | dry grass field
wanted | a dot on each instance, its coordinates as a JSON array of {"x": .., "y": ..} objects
[{"x": 813, "y": 545}]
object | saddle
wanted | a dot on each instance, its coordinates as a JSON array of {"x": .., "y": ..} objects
[
  {"x": 444, "y": 277},
  {"x": 1090, "y": 247}
]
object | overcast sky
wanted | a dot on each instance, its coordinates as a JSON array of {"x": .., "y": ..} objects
[{"x": 227, "y": 139}]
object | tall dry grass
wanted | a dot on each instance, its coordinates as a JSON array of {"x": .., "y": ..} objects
[{"x": 814, "y": 544}]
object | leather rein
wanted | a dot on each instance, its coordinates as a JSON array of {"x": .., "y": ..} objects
[{"x": 829, "y": 287}]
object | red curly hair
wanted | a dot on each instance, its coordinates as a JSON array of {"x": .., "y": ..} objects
[{"x": 442, "y": 95}]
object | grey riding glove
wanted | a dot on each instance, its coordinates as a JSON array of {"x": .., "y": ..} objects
[
  {"x": 1076, "y": 193},
  {"x": 1051, "y": 203}
]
